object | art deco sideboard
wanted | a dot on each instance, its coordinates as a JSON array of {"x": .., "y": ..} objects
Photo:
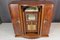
[{"x": 31, "y": 19}]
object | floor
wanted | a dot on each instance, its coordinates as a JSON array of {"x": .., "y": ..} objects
[{"x": 7, "y": 32}]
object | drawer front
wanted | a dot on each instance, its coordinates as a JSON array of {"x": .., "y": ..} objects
[{"x": 48, "y": 9}]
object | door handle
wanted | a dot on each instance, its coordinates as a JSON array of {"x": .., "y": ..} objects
[
  {"x": 45, "y": 21},
  {"x": 18, "y": 21}
]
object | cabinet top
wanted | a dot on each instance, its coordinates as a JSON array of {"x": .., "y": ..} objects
[{"x": 31, "y": 2}]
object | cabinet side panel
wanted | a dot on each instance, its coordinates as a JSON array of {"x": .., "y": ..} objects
[
  {"x": 15, "y": 18},
  {"x": 48, "y": 14}
]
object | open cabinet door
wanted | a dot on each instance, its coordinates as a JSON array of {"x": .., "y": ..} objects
[
  {"x": 47, "y": 19},
  {"x": 16, "y": 17}
]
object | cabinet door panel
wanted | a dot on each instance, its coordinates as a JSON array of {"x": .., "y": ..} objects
[
  {"x": 15, "y": 16},
  {"x": 47, "y": 19}
]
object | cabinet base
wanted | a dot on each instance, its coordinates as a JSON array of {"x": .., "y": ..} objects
[{"x": 31, "y": 36}]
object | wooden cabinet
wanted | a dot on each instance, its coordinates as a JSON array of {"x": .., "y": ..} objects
[{"x": 31, "y": 19}]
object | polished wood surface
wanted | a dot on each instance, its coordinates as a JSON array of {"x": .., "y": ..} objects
[{"x": 42, "y": 22}]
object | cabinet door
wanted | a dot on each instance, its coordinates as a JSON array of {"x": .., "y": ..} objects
[
  {"x": 16, "y": 18},
  {"x": 47, "y": 18}
]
